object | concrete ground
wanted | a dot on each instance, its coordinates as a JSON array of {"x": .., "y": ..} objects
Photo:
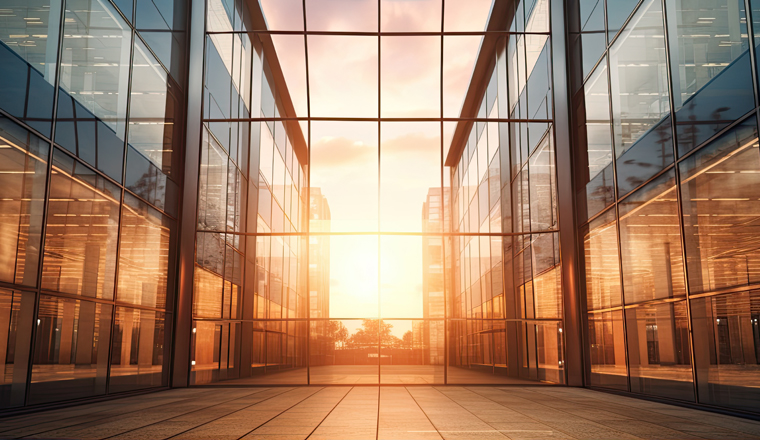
[{"x": 370, "y": 412}]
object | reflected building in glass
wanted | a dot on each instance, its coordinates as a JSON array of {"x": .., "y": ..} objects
[{"x": 263, "y": 192}]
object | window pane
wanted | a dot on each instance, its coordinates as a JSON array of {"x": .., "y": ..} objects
[
  {"x": 154, "y": 114},
  {"x": 410, "y": 75},
  {"x": 353, "y": 273},
  {"x": 640, "y": 101},
  {"x": 344, "y": 351},
  {"x": 650, "y": 242},
  {"x": 139, "y": 356},
  {"x": 23, "y": 170},
  {"x": 416, "y": 16},
  {"x": 344, "y": 167},
  {"x": 720, "y": 189},
  {"x": 602, "y": 267},
  {"x": 71, "y": 350},
  {"x": 146, "y": 249},
  {"x": 712, "y": 77},
  {"x": 726, "y": 340},
  {"x": 28, "y": 56},
  {"x": 607, "y": 341},
  {"x": 279, "y": 353},
  {"x": 618, "y": 12},
  {"x": 344, "y": 86},
  {"x": 659, "y": 351},
  {"x": 410, "y": 171},
  {"x": 402, "y": 277},
  {"x": 16, "y": 317},
  {"x": 543, "y": 187},
  {"x": 598, "y": 190},
  {"x": 550, "y": 353},
  {"x": 94, "y": 76},
  {"x": 341, "y": 15},
  {"x": 212, "y": 182},
  {"x": 82, "y": 230},
  {"x": 412, "y": 351}
]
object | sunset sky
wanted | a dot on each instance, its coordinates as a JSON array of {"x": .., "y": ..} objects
[{"x": 343, "y": 82}]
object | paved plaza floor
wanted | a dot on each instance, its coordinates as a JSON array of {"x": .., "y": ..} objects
[{"x": 371, "y": 412}]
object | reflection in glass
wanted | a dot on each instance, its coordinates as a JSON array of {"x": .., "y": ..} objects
[
  {"x": 28, "y": 54},
  {"x": 146, "y": 248},
  {"x": 711, "y": 68},
  {"x": 341, "y": 15},
  {"x": 346, "y": 351},
  {"x": 154, "y": 112},
  {"x": 412, "y": 352},
  {"x": 139, "y": 357},
  {"x": 607, "y": 342},
  {"x": 602, "y": 269},
  {"x": 16, "y": 317},
  {"x": 416, "y": 16},
  {"x": 82, "y": 231},
  {"x": 344, "y": 166},
  {"x": 659, "y": 350},
  {"x": 727, "y": 349},
  {"x": 650, "y": 242},
  {"x": 410, "y": 74},
  {"x": 597, "y": 190},
  {"x": 353, "y": 272},
  {"x": 344, "y": 86},
  {"x": 403, "y": 277},
  {"x": 410, "y": 169},
  {"x": 640, "y": 99},
  {"x": 94, "y": 76},
  {"x": 71, "y": 349},
  {"x": 23, "y": 167},
  {"x": 213, "y": 353},
  {"x": 459, "y": 56},
  {"x": 719, "y": 191}
]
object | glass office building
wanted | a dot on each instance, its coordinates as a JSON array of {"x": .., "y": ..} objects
[{"x": 258, "y": 192}]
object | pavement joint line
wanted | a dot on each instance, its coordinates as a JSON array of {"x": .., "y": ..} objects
[
  {"x": 328, "y": 414},
  {"x": 273, "y": 417},
  {"x": 461, "y": 406},
  {"x": 551, "y": 409},
  {"x": 96, "y": 420},
  {"x": 423, "y": 412},
  {"x": 190, "y": 412},
  {"x": 110, "y": 405}
]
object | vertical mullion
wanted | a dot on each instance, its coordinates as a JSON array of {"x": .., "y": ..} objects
[
  {"x": 45, "y": 209},
  {"x": 307, "y": 214},
  {"x": 443, "y": 217},
  {"x": 379, "y": 191},
  {"x": 679, "y": 197}
]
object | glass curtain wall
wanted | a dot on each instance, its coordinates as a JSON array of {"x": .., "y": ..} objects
[
  {"x": 666, "y": 148},
  {"x": 507, "y": 295},
  {"x": 325, "y": 247},
  {"x": 90, "y": 147}
]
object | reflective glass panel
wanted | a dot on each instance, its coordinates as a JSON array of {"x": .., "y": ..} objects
[
  {"x": 650, "y": 242},
  {"x": 345, "y": 351},
  {"x": 640, "y": 99},
  {"x": 82, "y": 231},
  {"x": 410, "y": 173},
  {"x": 154, "y": 112},
  {"x": 727, "y": 349},
  {"x": 140, "y": 356},
  {"x": 598, "y": 189},
  {"x": 410, "y": 75},
  {"x": 29, "y": 31},
  {"x": 344, "y": 167},
  {"x": 719, "y": 191},
  {"x": 23, "y": 170},
  {"x": 607, "y": 342},
  {"x": 16, "y": 317},
  {"x": 145, "y": 253},
  {"x": 711, "y": 68},
  {"x": 71, "y": 350},
  {"x": 342, "y": 15},
  {"x": 659, "y": 351},
  {"x": 412, "y": 351},
  {"x": 94, "y": 77},
  {"x": 602, "y": 267}
]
